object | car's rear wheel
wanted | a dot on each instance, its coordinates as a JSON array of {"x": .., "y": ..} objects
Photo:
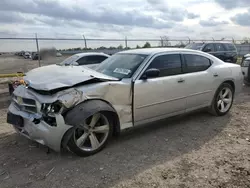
[
  {"x": 92, "y": 134},
  {"x": 223, "y": 100}
]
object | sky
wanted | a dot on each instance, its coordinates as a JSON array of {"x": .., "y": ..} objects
[{"x": 134, "y": 19}]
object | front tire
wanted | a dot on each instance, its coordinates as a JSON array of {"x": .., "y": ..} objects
[
  {"x": 92, "y": 134},
  {"x": 223, "y": 100}
]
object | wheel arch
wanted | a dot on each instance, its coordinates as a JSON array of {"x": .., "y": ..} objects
[
  {"x": 230, "y": 82},
  {"x": 227, "y": 81},
  {"x": 88, "y": 108}
]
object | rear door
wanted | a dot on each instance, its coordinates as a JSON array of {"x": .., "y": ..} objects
[
  {"x": 199, "y": 80},
  {"x": 231, "y": 53},
  {"x": 221, "y": 51}
]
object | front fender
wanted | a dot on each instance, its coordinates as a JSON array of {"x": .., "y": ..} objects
[{"x": 84, "y": 110}]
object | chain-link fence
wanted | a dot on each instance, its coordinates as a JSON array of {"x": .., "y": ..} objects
[{"x": 64, "y": 47}]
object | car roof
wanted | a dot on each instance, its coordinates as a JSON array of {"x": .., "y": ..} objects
[
  {"x": 150, "y": 51},
  {"x": 91, "y": 53},
  {"x": 213, "y": 42}
]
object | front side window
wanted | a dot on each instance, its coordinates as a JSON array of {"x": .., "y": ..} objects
[
  {"x": 208, "y": 48},
  {"x": 82, "y": 61},
  {"x": 167, "y": 64},
  {"x": 69, "y": 60},
  {"x": 121, "y": 65},
  {"x": 220, "y": 47},
  {"x": 95, "y": 59},
  {"x": 194, "y": 46},
  {"x": 195, "y": 63}
]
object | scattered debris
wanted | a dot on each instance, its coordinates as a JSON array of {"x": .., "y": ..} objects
[
  {"x": 49, "y": 172},
  {"x": 2, "y": 172},
  {"x": 32, "y": 146}
]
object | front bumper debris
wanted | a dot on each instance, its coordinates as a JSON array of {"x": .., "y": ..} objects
[{"x": 39, "y": 131}]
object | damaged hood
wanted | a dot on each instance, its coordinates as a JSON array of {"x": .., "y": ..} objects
[{"x": 53, "y": 77}]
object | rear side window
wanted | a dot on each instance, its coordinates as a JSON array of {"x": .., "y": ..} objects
[
  {"x": 220, "y": 47},
  {"x": 195, "y": 63},
  {"x": 167, "y": 64},
  {"x": 87, "y": 60},
  {"x": 230, "y": 47}
]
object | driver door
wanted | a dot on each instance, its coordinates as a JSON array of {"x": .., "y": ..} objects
[{"x": 163, "y": 96}]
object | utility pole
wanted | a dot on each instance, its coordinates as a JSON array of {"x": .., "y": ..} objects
[
  {"x": 38, "y": 51},
  {"x": 85, "y": 42}
]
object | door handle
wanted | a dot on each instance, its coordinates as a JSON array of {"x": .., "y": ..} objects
[
  {"x": 216, "y": 75},
  {"x": 181, "y": 80}
]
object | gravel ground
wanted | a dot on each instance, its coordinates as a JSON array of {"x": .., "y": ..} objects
[
  {"x": 12, "y": 64},
  {"x": 196, "y": 150}
]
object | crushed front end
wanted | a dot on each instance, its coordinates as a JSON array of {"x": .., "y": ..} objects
[{"x": 39, "y": 117}]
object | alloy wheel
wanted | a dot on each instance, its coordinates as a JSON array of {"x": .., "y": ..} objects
[
  {"x": 225, "y": 99},
  {"x": 93, "y": 133}
]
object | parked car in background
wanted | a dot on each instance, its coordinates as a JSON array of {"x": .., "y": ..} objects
[
  {"x": 34, "y": 56},
  {"x": 225, "y": 51},
  {"x": 80, "y": 108},
  {"x": 27, "y": 55},
  {"x": 244, "y": 57},
  {"x": 245, "y": 66},
  {"x": 58, "y": 54},
  {"x": 91, "y": 59}
]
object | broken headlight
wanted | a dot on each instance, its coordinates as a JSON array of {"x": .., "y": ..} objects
[{"x": 52, "y": 108}]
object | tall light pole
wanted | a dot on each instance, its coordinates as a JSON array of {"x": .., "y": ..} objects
[
  {"x": 38, "y": 51},
  {"x": 85, "y": 42}
]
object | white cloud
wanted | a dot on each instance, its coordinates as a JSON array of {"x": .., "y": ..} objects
[{"x": 117, "y": 19}]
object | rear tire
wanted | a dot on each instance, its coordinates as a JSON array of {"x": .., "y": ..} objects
[
  {"x": 92, "y": 134},
  {"x": 223, "y": 100}
]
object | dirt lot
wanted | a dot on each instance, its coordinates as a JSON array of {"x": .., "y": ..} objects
[
  {"x": 196, "y": 150},
  {"x": 12, "y": 64}
]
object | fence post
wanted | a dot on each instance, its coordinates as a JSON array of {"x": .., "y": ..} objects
[
  {"x": 38, "y": 51},
  {"x": 161, "y": 41},
  {"x": 126, "y": 42},
  {"x": 85, "y": 42}
]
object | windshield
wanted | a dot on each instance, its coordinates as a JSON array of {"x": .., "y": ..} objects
[
  {"x": 69, "y": 60},
  {"x": 194, "y": 46},
  {"x": 121, "y": 65}
]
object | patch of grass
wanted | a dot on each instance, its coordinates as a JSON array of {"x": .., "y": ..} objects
[{"x": 239, "y": 60}]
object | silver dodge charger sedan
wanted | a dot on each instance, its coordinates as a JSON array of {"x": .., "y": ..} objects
[{"x": 80, "y": 108}]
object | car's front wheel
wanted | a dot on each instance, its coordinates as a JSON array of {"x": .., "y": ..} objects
[
  {"x": 92, "y": 134},
  {"x": 223, "y": 100}
]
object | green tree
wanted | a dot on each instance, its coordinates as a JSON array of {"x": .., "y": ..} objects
[
  {"x": 137, "y": 46},
  {"x": 147, "y": 45},
  {"x": 120, "y": 47}
]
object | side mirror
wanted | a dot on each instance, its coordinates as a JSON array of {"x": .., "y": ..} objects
[
  {"x": 75, "y": 64},
  {"x": 151, "y": 73},
  {"x": 207, "y": 50}
]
